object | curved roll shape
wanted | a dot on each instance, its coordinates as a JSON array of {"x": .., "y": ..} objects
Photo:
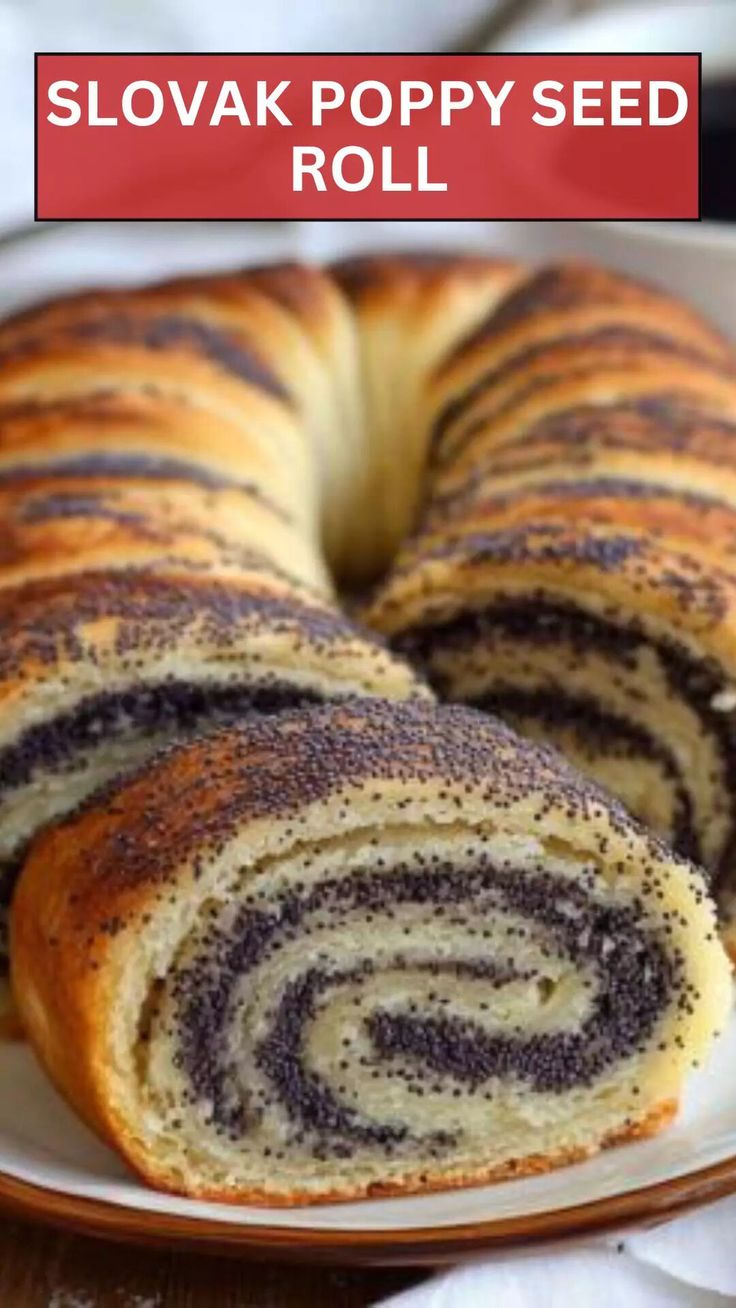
[
  {"x": 362, "y": 949},
  {"x": 161, "y": 571},
  {"x": 190, "y": 473},
  {"x": 573, "y": 564},
  {"x": 98, "y": 675}
]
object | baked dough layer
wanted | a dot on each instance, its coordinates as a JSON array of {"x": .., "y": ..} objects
[{"x": 370, "y": 948}]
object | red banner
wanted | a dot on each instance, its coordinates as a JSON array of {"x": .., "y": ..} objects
[{"x": 367, "y": 136}]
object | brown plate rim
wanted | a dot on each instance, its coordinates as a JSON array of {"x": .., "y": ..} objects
[{"x": 645, "y": 1206}]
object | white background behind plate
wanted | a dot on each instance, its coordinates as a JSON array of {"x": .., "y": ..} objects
[
  {"x": 697, "y": 261},
  {"x": 41, "y": 1141}
]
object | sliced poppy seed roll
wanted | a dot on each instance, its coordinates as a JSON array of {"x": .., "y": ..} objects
[
  {"x": 368, "y": 949},
  {"x": 189, "y": 471},
  {"x": 162, "y": 570},
  {"x": 99, "y": 670},
  {"x": 573, "y": 566}
]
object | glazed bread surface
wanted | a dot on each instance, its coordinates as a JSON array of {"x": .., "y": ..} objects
[
  {"x": 362, "y": 949},
  {"x": 535, "y": 468},
  {"x": 161, "y": 563},
  {"x": 571, "y": 566},
  {"x": 353, "y": 946}
]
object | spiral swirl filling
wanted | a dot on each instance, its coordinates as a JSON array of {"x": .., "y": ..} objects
[
  {"x": 539, "y": 690},
  {"x": 456, "y": 1015}
]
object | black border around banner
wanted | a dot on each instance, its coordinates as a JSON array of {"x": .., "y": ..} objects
[{"x": 390, "y": 54}]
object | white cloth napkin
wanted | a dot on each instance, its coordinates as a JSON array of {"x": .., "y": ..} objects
[
  {"x": 691, "y": 1261},
  {"x": 688, "y": 1263}
]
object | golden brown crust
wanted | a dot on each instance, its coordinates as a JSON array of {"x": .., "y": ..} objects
[
  {"x": 271, "y": 770},
  {"x": 94, "y": 882},
  {"x": 183, "y": 466},
  {"x": 655, "y": 1120}
]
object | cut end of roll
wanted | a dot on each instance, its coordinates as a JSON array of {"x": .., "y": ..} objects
[{"x": 364, "y": 949}]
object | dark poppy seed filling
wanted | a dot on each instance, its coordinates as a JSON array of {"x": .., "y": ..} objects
[
  {"x": 535, "y": 388},
  {"x": 630, "y": 978},
  {"x": 159, "y": 333},
  {"x": 558, "y": 709},
  {"x": 308, "y": 1100},
  {"x": 549, "y": 289},
  {"x": 170, "y": 706},
  {"x": 55, "y": 505},
  {"x": 545, "y": 542},
  {"x": 538, "y": 621},
  {"x": 666, "y": 422},
  {"x": 590, "y": 489},
  {"x": 615, "y": 338},
  {"x": 172, "y": 709},
  {"x": 109, "y": 465}
]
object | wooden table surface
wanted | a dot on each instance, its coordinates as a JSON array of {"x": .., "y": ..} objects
[{"x": 41, "y": 1268}]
